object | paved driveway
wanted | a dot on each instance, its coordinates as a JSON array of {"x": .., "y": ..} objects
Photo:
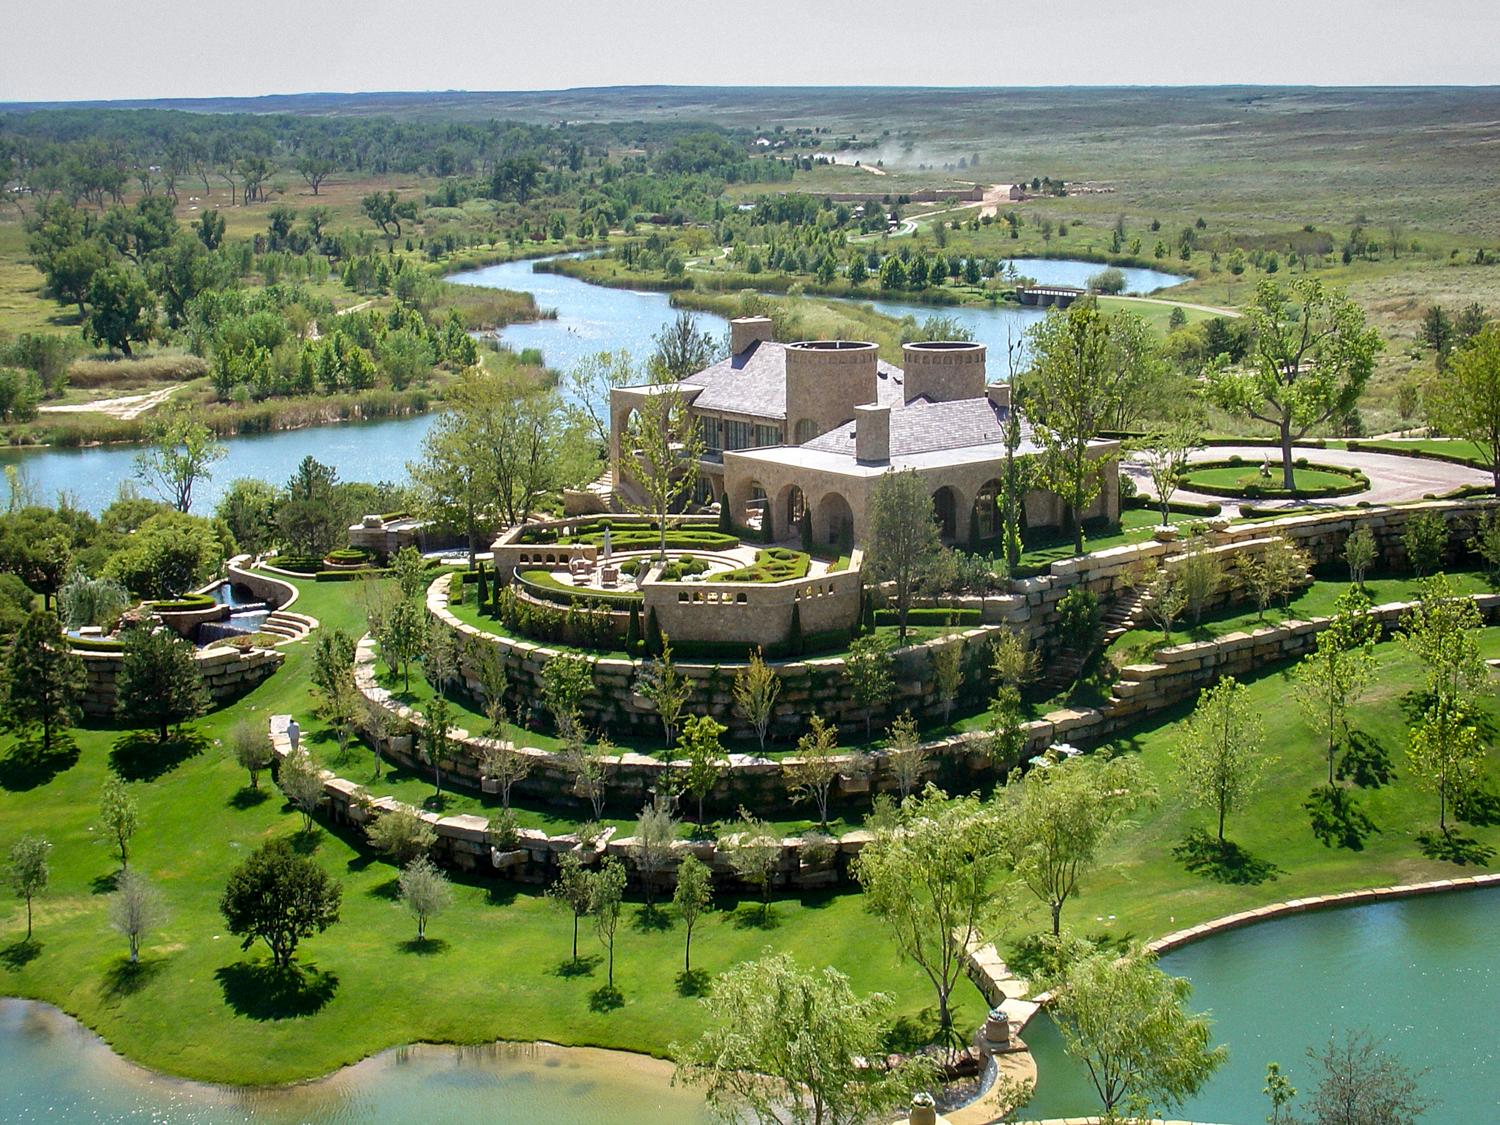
[{"x": 1392, "y": 478}]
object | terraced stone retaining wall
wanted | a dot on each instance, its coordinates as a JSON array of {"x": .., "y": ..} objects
[{"x": 227, "y": 673}]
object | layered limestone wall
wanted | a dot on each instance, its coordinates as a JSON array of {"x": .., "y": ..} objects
[{"x": 226, "y": 673}]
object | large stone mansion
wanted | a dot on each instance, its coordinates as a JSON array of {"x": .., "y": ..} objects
[{"x": 812, "y": 426}]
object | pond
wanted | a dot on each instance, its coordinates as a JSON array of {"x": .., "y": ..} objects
[
  {"x": 55, "y": 1070},
  {"x": 1421, "y": 971},
  {"x": 590, "y": 318}
]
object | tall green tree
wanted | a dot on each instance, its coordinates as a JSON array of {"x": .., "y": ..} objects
[
  {"x": 1464, "y": 401},
  {"x": 934, "y": 875},
  {"x": 454, "y": 486},
  {"x": 158, "y": 683},
  {"x": 180, "y": 454},
  {"x": 121, "y": 309},
  {"x": 44, "y": 679},
  {"x": 1221, "y": 756},
  {"x": 1312, "y": 356},
  {"x": 692, "y": 898},
  {"x": 1126, "y": 1021},
  {"x": 663, "y": 444},
  {"x": 310, "y": 519},
  {"x": 606, "y": 900},
  {"x": 1068, "y": 393},
  {"x": 904, "y": 546},
  {"x": 787, "y": 1046},
  {"x": 681, "y": 349}
]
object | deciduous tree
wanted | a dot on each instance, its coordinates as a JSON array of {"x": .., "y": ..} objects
[
  {"x": 135, "y": 908},
  {"x": 756, "y": 688},
  {"x": 279, "y": 897},
  {"x": 692, "y": 898},
  {"x": 425, "y": 892},
  {"x": 904, "y": 544},
  {"x": 158, "y": 683},
  {"x": 1221, "y": 756}
]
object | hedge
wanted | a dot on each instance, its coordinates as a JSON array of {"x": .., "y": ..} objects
[
  {"x": 1181, "y": 507},
  {"x": 1358, "y": 482},
  {"x": 186, "y": 604},
  {"x": 92, "y": 644},
  {"x": 930, "y": 616},
  {"x": 772, "y": 564},
  {"x": 543, "y": 585}
]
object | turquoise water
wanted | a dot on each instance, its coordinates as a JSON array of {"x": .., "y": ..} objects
[
  {"x": 51, "y": 1069},
  {"x": 1423, "y": 972},
  {"x": 590, "y": 318}
]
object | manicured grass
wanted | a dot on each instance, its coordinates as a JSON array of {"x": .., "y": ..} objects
[
  {"x": 1135, "y": 526},
  {"x": 1318, "y": 600},
  {"x": 497, "y": 967},
  {"x": 1141, "y": 890},
  {"x": 1464, "y": 450}
]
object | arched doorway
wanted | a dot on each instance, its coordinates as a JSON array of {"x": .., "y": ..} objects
[
  {"x": 945, "y": 511},
  {"x": 833, "y": 522},
  {"x": 757, "y": 510},
  {"x": 790, "y": 507},
  {"x": 986, "y": 512}
]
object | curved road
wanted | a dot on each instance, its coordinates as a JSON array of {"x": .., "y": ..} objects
[{"x": 1392, "y": 478}]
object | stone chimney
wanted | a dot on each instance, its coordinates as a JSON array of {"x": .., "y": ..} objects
[
  {"x": 747, "y": 330},
  {"x": 825, "y": 381},
  {"x": 999, "y": 394},
  {"x": 872, "y": 434},
  {"x": 943, "y": 370}
]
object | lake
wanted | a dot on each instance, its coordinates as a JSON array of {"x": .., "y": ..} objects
[{"x": 590, "y": 318}]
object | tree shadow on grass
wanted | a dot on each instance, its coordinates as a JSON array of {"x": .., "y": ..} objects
[
  {"x": 651, "y": 919},
  {"x": 1450, "y": 847},
  {"x": 27, "y": 767},
  {"x": 583, "y": 966},
  {"x": 105, "y": 884},
  {"x": 693, "y": 982},
  {"x": 305, "y": 841},
  {"x": 1225, "y": 862},
  {"x": 755, "y": 917},
  {"x": 910, "y": 1033},
  {"x": 138, "y": 756},
  {"x": 265, "y": 992},
  {"x": 1337, "y": 819},
  {"x": 18, "y": 954},
  {"x": 606, "y": 998},
  {"x": 126, "y": 977},
  {"x": 1481, "y": 808},
  {"x": 423, "y": 947},
  {"x": 1366, "y": 762},
  {"x": 247, "y": 798},
  {"x": 390, "y": 890}
]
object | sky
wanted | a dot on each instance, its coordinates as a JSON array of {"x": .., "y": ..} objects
[{"x": 103, "y": 49}]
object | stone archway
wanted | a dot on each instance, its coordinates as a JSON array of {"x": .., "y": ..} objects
[
  {"x": 833, "y": 521},
  {"x": 945, "y": 511},
  {"x": 789, "y": 508}
]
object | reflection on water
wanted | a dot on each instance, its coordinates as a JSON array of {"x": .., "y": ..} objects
[
  {"x": 1422, "y": 972},
  {"x": 55, "y": 1070}
]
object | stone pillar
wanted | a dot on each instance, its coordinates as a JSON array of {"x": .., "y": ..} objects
[
  {"x": 999, "y": 395},
  {"x": 747, "y": 330},
  {"x": 825, "y": 381}
]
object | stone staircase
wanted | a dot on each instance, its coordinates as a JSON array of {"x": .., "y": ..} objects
[
  {"x": 287, "y": 626},
  {"x": 1122, "y": 616},
  {"x": 1066, "y": 664}
]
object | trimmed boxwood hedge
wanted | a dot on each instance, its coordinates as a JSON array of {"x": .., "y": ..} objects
[
  {"x": 930, "y": 616},
  {"x": 297, "y": 564},
  {"x": 93, "y": 644},
  {"x": 1181, "y": 507},
  {"x": 1358, "y": 482},
  {"x": 772, "y": 564},
  {"x": 541, "y": 584},
  {"x": 186, "y": 604}
]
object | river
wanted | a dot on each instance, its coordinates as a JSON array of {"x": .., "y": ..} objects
[
  {"x": 1421, "y": 971},
  {"x": 590, "y": 318}
]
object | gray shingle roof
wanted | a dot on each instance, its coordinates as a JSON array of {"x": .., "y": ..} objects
[
  {"x": 922, "y": 426},
  {"x": 754, "y": 383}
]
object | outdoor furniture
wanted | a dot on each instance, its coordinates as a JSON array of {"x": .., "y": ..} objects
[
  {"x": 581, "y": 568},
  {"x": 609, "y": 576}
]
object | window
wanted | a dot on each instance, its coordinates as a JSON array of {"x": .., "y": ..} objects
[
  {"x": 806, "y": 430},
  {"x": 737, "y": 434},
  {"x": 709, "y": 428},
  {"x": 767, "y": 435}
]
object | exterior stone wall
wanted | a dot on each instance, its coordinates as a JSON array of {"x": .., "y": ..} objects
[
  {"x": 273, "y": 591},
  {"x": 226, "y": 673}
]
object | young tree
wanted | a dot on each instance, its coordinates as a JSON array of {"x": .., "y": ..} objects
[
  {"x": 158, "y": 683},
  {"x": 810, "y": 775},
  {"x": 1015, "y": 479},
  {"x": 904, "y": 544},
  {"x": 566, "y": 682},
  {"x": 504, "y": 764},
  {"x": 667, "y": 689},
  {"x": 1281, "y": 1092},
  {"x": 1221, "y": 754},
  {"x": 1165, "y": 595},
  {"x": 252, "y": 749},
  {"x": 1330, "y": 680},
  {"x": 302, "y": 782},
  {"x": 1465, "y": 402},
  {"x": 948, "y": 675},
  {"x": 180, "y": 455},
  {"x": 1446, "y": 755},
  {"x": 279, "y": 897},
  {"x": 118, "y": 817},
  {"x": 1443, "y": 631},
  {"x": 651, "y": 846},
  {"x": 1056, "y": 820},
  {"x": 1067, "y": 400},
  {"x": 871, "y": 672},
  {"x": 400, "y": 630},
  {"x": 572, "y": 890},
  {"x": 693, "y": 898},
  {"x": 585, "y": 762},
  {"x": 135, "y": 908},
  {"x": 29, "y": 870},
  {"x": 664, "y": 445},
  {"x": 1312, "y": 356},
  {"x": 909, "y": 762},
  {"x": 425, "y": 892},
  {"x": 754, "y": 850},
  {"x": 402, "y": 834},
  {"x": 705, "y": 757},
  {"x": 786, "y": 1046},
  {"x": 756, "y": 688},
  {"x": 1363, "y": 1084},
  {"x": 437, "y": 740},
  {"x": 1360, "y": 553},
  {"x": 43, "y": 681},
  {"x": 1202, "y": 573},
  {"x": 1126, "y": 1021},
  {"x": 681, "y": 350},
  {"x": 332, "y": 661},
  {"x": 606, "y": 897},
  {"x": 590, "y": 382},
  {"x": 933, "y": 877}
]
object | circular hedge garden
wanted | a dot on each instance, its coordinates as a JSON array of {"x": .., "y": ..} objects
[{"x": 1246, "y": 480}]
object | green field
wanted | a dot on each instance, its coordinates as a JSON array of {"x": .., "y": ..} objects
[{"x": 1248, "y": 481}]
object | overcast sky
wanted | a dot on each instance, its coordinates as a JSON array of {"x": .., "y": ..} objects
[{"x": 88, "y": 49}]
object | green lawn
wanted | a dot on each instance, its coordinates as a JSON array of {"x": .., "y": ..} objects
[
  {"x": 1247, "y": 480},
  {"x": 1135, "y": 527},
  {"x": 1467, "y": 450}
]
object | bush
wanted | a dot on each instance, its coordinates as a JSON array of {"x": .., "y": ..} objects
[
  {"x": 930, "y": 616},
  {"x": 1078, "y": 616},
  {"x": 773, "y": 564}
]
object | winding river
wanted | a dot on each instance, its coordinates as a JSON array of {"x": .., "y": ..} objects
[{"x": 590, "y": 318}]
